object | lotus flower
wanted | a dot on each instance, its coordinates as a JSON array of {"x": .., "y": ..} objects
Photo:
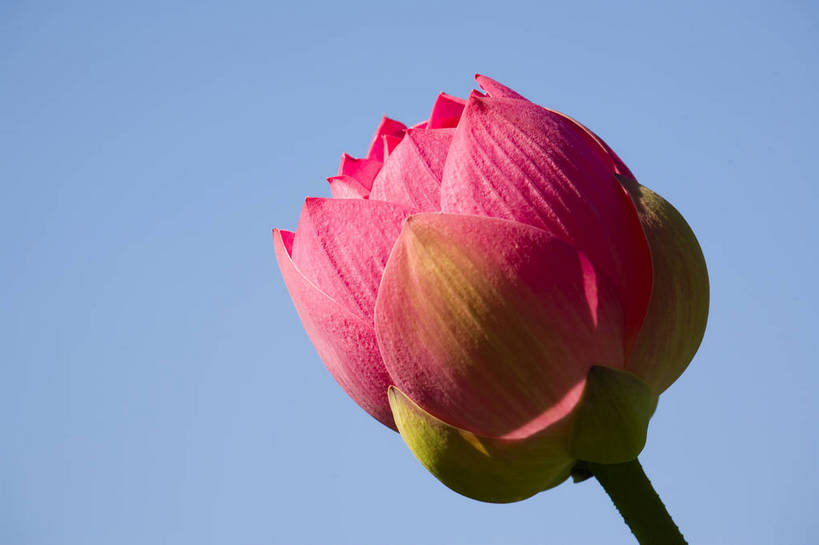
[{"x": 494, "y": 284}]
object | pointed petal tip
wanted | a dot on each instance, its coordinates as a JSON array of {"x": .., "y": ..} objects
[
  {"x": 495, "y": 89},
  {"x": 386, "y": 126},
  {"x": 388, "y": 121},
  {"x": 483, "y": 81},
  {"x": 453, "y": 98},
  {"x": 284, "y": 238},
  {"x": 414, "y": 221},
  {"x": 346, "y": 187},
  {"x": 312, "y": 203}
]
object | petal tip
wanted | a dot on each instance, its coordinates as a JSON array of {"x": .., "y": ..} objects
[
  {"x": 393, "y": 394},
  {"x": 413, "y": 221},
  {"x": 496, "y": 89}
]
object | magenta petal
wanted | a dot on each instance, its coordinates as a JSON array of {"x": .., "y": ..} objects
[
  {"x": 617, "y": 165},
  {"x": 389, "y": 127},
  {"x": 475, "y": 309},
  {"x": 390, "y": 142},
  {"x": 446, "y": 112},
  {"x": 363, "y": 170},
  {"x": 342, "y": 246},
  {"x": 499, "y": 90},
  {"x": 345, "y": 343},
  {"x": 513, "y": 159},
  {"x": 346, "y": 187},
  {"x": 411, "y": 176},
  {"x": 495, "y": 89}
]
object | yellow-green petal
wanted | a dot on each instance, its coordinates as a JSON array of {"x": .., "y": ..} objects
[
  {"x": 611, "y": 419},
  {"x": 678, "y": 309},
  {"x": 485, "y": 469}
]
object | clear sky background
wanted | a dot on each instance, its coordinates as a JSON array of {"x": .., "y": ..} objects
[{"x": 156, "y": 385}]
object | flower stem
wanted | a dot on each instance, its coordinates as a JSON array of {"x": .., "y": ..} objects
[{"x": 638, "y": 503}]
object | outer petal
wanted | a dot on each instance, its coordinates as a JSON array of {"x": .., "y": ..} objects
[
  {"x": 387, "y": 127},
  {"x": 346, "y": 187},
  {"x": 678, "y": 312},
  {"x": 345, "y": 342},
  {"x": 497, "y": 90},
  {"x": 412, "y": 173},
  {"x": 482, "y": 468},
  {"x": 474, "y": 309},
  {"x": 513, "y": 159},
  {"x": 342, "y": 246},
  {"x": 362, "y": 170}
]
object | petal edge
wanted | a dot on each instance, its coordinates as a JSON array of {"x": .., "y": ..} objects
[{"x": 345, "y": 343}]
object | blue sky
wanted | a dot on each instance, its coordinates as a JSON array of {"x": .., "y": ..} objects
[{"x": 156, "y": 385}]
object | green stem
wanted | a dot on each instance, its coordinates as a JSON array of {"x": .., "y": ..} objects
[{"x": 638, "y": 503}]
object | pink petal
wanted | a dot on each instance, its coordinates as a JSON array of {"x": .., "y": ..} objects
[
  {"x": 389, "y": 144},
  {"x": 345, "y": 343},
  {"x": 617, "y": 165},
  {"x": 386, "y": 127},
  {"x": 492, "y": 325},
  {"x": 495, "y": 89},
  {"x": 363, "y": 170},
  {"x": 446, "y": 112},
  {"x": 412, "y": 173},
  {"x": 342, "y": 246},
  {"x": 346, "y": 187},
  {"x": 499, "y": 90},
  {"x": 513, "y": 159}
]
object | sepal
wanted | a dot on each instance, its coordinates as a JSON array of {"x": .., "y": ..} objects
[
  {"x": 484, "y": 469},
  {"x": 611, "y": 418},
  {"x": 678, "y": 309}
]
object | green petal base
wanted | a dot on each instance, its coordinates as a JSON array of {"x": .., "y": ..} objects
[
  {"x": 607, "y": 426},
  {"x": 485, "y": 469}
]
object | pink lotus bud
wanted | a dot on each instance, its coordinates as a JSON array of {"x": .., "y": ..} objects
[{"x": 494, "y": 284}]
